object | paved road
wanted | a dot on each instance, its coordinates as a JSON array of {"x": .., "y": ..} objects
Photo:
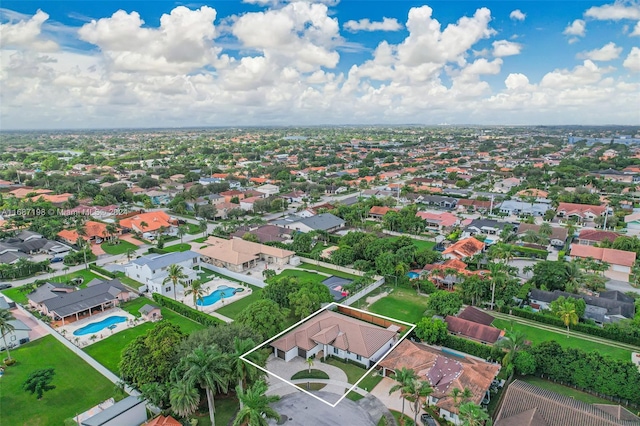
[
  {"x": 583, "y": 336},
  {"x": 621, "y": 286}
]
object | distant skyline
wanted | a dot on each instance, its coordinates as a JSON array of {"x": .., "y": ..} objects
[{"x": 155, "y": 64}]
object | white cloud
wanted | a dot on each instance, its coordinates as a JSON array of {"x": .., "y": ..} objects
[
  {"x": 517, "y": 15},
  {"x": 632, "y": 63},
  {"x": 26, "y": 34},
  {"x": 615, "y": 12},
  {"x": 576, "y": 28},
  {"x": 506, "y": 48},
  {"x": 608, "y": 52},
  {"x": 636, "y": 30},
  {"x": 387, "y": 24}
]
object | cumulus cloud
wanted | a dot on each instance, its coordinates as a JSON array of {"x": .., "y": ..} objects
[
  {"x": 636, "y": 30},
  {"x": 387, "y": 24},
  {"x": 614, "y": 12},
  {"x": 576, "y": 28},
  {"x": 506, "y": 48},
  {"x": 26, "y": 34},
  {"x": 517, "y": 15},
  {"x": 632, "y": 62},
  {"x": 608, "y": 52}
]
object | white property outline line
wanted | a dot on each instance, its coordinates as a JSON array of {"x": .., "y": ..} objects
[{"x": 370, "y": 370}]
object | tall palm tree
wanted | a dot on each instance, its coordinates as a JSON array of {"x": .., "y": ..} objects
[
  {"x": 6, "y": 327},
  {"x": 497, "y": 275},
  {"x": 404, "y": 377},
  {"x": 460, "y": 396},
  {"x": 130, "y": 253},
  {"x": 567, "y": 313},
  {"x": 546, "y": 229},
  {"x": 184, "y": 398},
  {"x": 472, "y": 415},
  {"x": 202, "y": 225},
  {"x": 143, "y": 225},
  {"x": 573, "y": 275},
  {"x": 241, "y": 370},
  {"x": 80, "y": 242},
  {"x": 111, "y": 231},
  {"x": 513, "y": 343},
  {"x": 209, "y": 369},
  {"x": 174, "y": 275},
  {"x": 182, "y": 230},
  {"x": 197, "y": 290},
  {"x": 419, "y": 390},
  {"x": 255, "y": 409}
]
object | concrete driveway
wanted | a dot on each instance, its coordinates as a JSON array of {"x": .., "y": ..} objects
[
  {"x": 521, "y": 264},
  {"x": 622, "y": 286},
  {"x": 286, "y": 370},
  {"x": 393, "y": 401}
]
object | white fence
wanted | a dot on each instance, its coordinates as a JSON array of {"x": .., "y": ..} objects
[
  {"x": 331, "y": 266},
  {"x": 359, "y": 295},
  {"x": 235, "y": 275}
]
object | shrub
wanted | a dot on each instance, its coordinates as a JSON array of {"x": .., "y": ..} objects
[
  {"x": 185, "y": 310},
  {"x": 101, "y": 271},
  {"x": 467, "y": 346}
]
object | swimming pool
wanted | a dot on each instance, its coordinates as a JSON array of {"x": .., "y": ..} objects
[
  {"x": 413, "y": 275},
  {"x": 217, "y": 295},
  {"x": 94, "y": 327}
]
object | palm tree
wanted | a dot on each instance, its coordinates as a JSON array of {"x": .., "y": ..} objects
[
  {"x": 184, "y": 398},
  {"x": 460, "y": 396},
  {"x": 197, "y": 291},
  {"x": 497, "y": 275},
  {"x": 546, "y": 229},
  {"x": 513, "y": 343},
  {"x": 255, "y": 409},
  {"x": 111, "y": 231},
  {"x": 401, "y": 269},
  {"x": 573, "y": 275},
  {"x": 130, "y": 253},
  {"x": 419, "y": 391},
  {"x": 174, "y": 275},
  {"x": 143, "y": 225},
  {"x": 6, "y": 327},
  {"x": 309, "y": 363},
  {"x": 473, "y": 415},
  {"x": 202, "y": 225},
  {"x": 241, "y": 369},
  {"x": 182, "y": 230},
  {"x": 80, "y": 242},
  {"x": 404, "y": 377},
  {"x": 567, "y": 313},
  {"x": 209, "y": 369}
]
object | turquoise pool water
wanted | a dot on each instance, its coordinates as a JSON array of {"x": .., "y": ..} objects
[
  {"x": 413, "y": 275},
  {"x": 94, "y": 327},
  {"x": 217, "y": 295}
]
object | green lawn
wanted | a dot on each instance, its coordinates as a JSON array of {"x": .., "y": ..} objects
[
  {"x": 420, "y": 244},
  {"x": 537, "y": 335},
  {"x": 128, "y": 281},
  {"x": 232, "y": 310},
  {"x": 200, "y": 240},
  {"x": 408, "y": 420},
  {"x": 107, "y": 352},
  {"x": 177, "y": 247},
  {"x": 78, "y": 386},
  {"x": 403, "y": 304},
  {"x": 302, "y": 275},
  {"x": 354, "y": 373},
  {"x": 565, "y": 390},
  {"x": 314, "y": 374},
  {"x": 192, "y": 228},
  {"x": 18, "y": 296},
  {"x": 226, "y": 409},
  {"x": 327, "y": 271},
  {"x": 120, "y": 248}
]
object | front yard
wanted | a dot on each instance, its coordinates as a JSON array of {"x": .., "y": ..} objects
[
  {"x": 403, "y": 303},
  {"x": 177, "y": 247},
  {"x": 78, "y": 386},
  {"x": 121, "y": 247}
]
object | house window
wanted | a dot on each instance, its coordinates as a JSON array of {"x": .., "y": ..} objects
[
  {"x": 168, "y": 289},
  {"x": 358, "y": 357},
  {"x": 335, "y": 350}
]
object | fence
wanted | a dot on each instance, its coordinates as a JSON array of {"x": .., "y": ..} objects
[
  {"x": 368, "y": 289},
  {"x": 332, "y": 266},
  {"x": 413, "y": 236},
  {"x": 369, "y": 318},
  {"x": 236, "y": 276}
]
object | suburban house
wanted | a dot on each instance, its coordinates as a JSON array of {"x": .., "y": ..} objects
[
  {"x": 633, "y": 221},
  {"x": 484, "y": 334},
  {"x": 18, "y": 336},
  {"x": 440, "y": 201},
  {"x": 151, "y": 270},
  {"x": 486, "y": 227},
  {"x": 610, "y": 306},
  {"x": 620, "y": 262},
  {"x": 239, "y": 255},
  {"x": 95, "y": 232},
  {"x": 323, "y": 222},
  {"x": 378, "y": 212},
  {"x": 334, "y": 334},
  {"x": 150, "y": 313},
  {"x": 62, "y": 302},
  {"x": 268, "y": 189},
  {"x": 506, "y": 185},
  {"x": 444, "y": 371},
  {"x": 557, "y": 238},
  {"x": 150, "y": 223},
  {"x": 580, "y": 212},
  {"x": 163, "y": 421},
  {"x": 448, "y": 273},
  {"x": 294, "y": 196},
  {"x": 27, "y": 243},
  {"x": 521, "y": 208},
  {"x": 439, "y": 221},
  {"x": 524, "y": 404},
  {"x": 130, "y": 411},
  {"x": 265, "y": 233},
  {"x": 463, "y": 249},
  {"x": 473, "y": 205},
  {"x": 591, "y": 237},
  {"x": 471, "y": 313},
  {"x": 159, "y": 197}
]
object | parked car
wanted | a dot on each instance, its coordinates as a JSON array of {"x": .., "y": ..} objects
[
  {"x": 427, "y": 420},
  {"x": 5, "y": 286},
  {"x": 56, "y": 259}
]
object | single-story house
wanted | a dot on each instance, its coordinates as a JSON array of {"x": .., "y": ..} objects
[
  {"x": 150, "y": 313},
  {"x": 18, "y": 336},
  {"x": 131, "y": 411},
  {"x": 338, "y": 335},
  {"x": 378, "y": 212},
  {"x": 521, "y": 208},
  {"x": 484, "y": 334},
  {"x": 322, "y": 222},
  {"x": 463, "y": 249},
  {"x": 150, "y": 222},
  {"x": 591, "y": 237},
  {"x": 268, "y": 189},
  {"x": 265, "y": 233},
  {"x": 238, "y": 255},
  {"x": 153, "y": 269},
  {"x": 633, "y": 221},
  {"x": 486, "y": 227},
  {"x": 439, "y": 221},
  {"x": 444, "y": 371},
  {"x": 580, "y": 212},
  {"x": 476, "y": 315},
  {"x": 557, "y": 238},
  {"x": 620, "y": 262}
]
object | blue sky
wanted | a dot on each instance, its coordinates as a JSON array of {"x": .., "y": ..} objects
[{"x": 85, "y": 64}]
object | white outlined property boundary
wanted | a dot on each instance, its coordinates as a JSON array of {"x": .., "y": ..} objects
[{"x": 329, "y": 306}]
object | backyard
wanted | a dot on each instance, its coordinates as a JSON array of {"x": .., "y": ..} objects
[
  {"x": 120, "y": 248},
  {"x": 327, "y": 271},
  {"x": 403, "y": 303},
  {"x": 107, "y": 352},
  {"x": 232, "y": 310},
  {"x": 77, "y": 389},
  {"x": 19, "y": 296},
  {"x": 420, "y": 244},
  {"x": 538, "y": 335}
]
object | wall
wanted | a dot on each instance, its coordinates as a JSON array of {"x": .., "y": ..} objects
[
  {"x": 370, "y": 318},
  {"x": 359, "y": 295},
  {"x": 332, "y": 266},
  {"x": 240, "y": 277}
]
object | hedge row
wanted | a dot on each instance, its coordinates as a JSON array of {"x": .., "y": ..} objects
[
  {"x": 467, "y": 346},
  {"x": 528, "y": 251},
  {"x": 102, "y": 271},
  {"x": 615, "y": 333},
  {"x": 185, "y": 310},
  {"x": 157, "y": 251}
]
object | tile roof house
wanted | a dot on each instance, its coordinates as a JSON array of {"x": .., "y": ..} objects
[
  {"x": 321, "y": 222},
  {"x": 581, "y": 212},
  {"x": 94, "y": 231},
  {"x": 557, "y": 238},
  {"x": 476, "y": 315},
  {"x": 150, "y": 222},
  {"x": 377, "y": 212},
  {"x": 463, "y": 249},
  {"x": 239, "y": 255},
  {"x": 444, "y": 371},
  {"x": 439, "y": 221},
  {"x": 620, "y": 262},
  {"x": 524, "y": 404},
  {"x": 265, "y": 233},
  {"x": 472, "y": 330},
  {"x": 337, "y": 335},
  {"x": 592, "y": 237},
  {"x": 163, "y": 421}
]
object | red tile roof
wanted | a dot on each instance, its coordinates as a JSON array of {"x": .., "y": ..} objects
[
  {"x": 473, "y": 330},
  {"x": 611, "y": 256},
  {"x": 464, "y": 248}
]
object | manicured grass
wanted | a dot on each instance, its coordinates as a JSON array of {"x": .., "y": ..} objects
[
  {"x": 420, "y": 244},
  {"x": 78, "y": 386},
  {"x": 226, "y": 409},
  {"x": 206, "y": 274},
  {"x": 302, "y": 276},
  {"x": 354, "y": 373},
  {"x": 200, "y": 240},
  {"x": 177, "y": 247},
  {"x": 327, "y": 271},
  {"x": 120, "y": 248},
  {"x": 128, "y": 281},
  {"x": 107, "y": 352},
  {"x": 18, "y": 296},
  {"x": 565, "y": 390},
  {"x": 192, "y": 228},
  {"x": 408, "y": 421},
  {"x": 232, "y": 310},
  {"x": 314, "y": 374},
  {"x": 537, "y": 335},
  {"x": 403, "y": 304}
]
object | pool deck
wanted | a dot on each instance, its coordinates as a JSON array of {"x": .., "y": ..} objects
[
  {"x": 210, "y": 287},
  {"x": 85, "y": 340}
]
